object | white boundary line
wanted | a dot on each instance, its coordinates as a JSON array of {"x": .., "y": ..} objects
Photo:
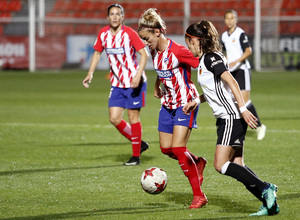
[{"x": 111, "y": 126}]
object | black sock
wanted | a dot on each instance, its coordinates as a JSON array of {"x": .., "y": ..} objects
[
  {"x": 254, "y": 190},
  {"x": 252, "y": 109},
  {"x": 243, "y": 175}
]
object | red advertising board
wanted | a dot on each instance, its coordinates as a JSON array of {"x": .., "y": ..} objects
[{"x": 50, "y": 52}]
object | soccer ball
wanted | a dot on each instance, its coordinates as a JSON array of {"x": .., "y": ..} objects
[{"x": 154, "y": 180}]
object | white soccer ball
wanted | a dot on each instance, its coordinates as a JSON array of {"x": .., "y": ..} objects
[{"x": 154, "y": 180}]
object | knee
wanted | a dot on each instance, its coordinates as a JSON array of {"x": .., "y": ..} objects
[
  {"x": 221, "y": 167},
  {"x": 114, "y": 120}
]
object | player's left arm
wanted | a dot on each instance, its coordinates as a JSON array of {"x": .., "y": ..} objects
[
  {"x": 250, "y": 119},
  {"x": 245, "y": 46},
  {"x": 139, "y": 46},
  {"x": 191, "y": 106},
  {"x": 247, "y": 50},
  {"x": 143, "y": 60}
]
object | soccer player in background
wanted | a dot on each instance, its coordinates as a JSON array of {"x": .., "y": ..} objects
[
  {"x": 222, "y": 93},
  {"x": 127, "y": 77},
  {"x": 172, "y": 63},
  {"x": 238, "y": 49}
]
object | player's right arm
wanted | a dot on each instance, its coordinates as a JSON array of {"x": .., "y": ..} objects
[
  {"x": 94, "y": 62},
  {"x": 157, "y": 90}
]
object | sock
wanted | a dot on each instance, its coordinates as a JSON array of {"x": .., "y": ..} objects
[
  {"x": 243, "y": 175},
  {"x": 189, "y": 168},
  {"x": 136, "y": 138},
  {"x": 254, "y": 191},
  {"x": 169, "y": 152},
  {"x": 252, "y": 109},
  {"x": 125, "y": 129}
]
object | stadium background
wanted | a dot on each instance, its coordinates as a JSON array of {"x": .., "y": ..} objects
[{"x": 70, "y": 27}]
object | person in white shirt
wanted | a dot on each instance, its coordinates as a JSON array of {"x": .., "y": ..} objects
[
  {"x": 235, "y": 43},
  {"x": 222, "y": 93}
]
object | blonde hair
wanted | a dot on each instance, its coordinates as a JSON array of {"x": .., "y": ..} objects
[{"x": 152, "y": 20}]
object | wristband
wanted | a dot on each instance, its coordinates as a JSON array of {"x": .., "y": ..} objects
[
  {"x": 243, "y": 109},
  {"x": 197, "y": 100}
]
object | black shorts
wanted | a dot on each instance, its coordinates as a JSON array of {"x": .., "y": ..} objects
[
  {"x": 243, "y": 78},
  {"x": 231, "y": 132}
]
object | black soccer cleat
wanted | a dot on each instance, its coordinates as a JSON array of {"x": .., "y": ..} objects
[
  {"x": 132, "y": 161},
  {"x": 144, "y": 146}
]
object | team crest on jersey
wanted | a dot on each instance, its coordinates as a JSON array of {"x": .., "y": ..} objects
[
  {"x": 164, "y": 73},
  {"x": 233, "y": 40},
  {"x": 200, "y": 71},
  {"x": 166, "y": 60},
  {"x": 115, "y": 51}
]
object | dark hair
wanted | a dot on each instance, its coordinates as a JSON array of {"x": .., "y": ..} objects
[
  {"x": 207, "y": 34},
  {"x": 115, "y": 5},
  {"x": 233, "y": 12}
]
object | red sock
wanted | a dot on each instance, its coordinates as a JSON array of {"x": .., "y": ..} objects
[
  {"x": 195, "y": 158},
  {"x": 125, "y": 129},
  {"x": 169, "y": 152},
  {"x": 189, "y": 168},
  {"x": 136, "y": 138}
]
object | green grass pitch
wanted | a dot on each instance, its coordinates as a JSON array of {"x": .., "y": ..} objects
[{"x": 61, "y": 158}]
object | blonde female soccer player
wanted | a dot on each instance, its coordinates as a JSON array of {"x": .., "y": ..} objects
[
  {"x": 172, "y": 63},
  {"x": 127, "y": 77},
  {"x": 222, "y": 93}
]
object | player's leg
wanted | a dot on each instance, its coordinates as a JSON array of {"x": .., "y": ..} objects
[
  {"x": 136, "y": 131},
  {"x": 246, "y": 88},
  {"x": 181, "y": 135}
]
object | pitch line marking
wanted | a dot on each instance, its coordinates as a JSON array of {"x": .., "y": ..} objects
[{"x": 111, "y": 126}]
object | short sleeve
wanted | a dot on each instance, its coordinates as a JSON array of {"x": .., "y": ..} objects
[
  {"x": 244, "y": 41},
  {"x": 136, "y": 41},
  {"x": 215, "y": 64},
  {"x": 186, "y": 56},
  {"x": 98, "y": 43}
]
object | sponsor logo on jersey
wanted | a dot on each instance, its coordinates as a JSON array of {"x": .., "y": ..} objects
[
  {"x": 164, "y": 73},
  {"x": 115, "y": 51},
  {"x": 215, "y": 63}
]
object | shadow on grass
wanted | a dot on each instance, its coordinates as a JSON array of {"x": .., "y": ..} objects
[{"x": 100, "y": 213}]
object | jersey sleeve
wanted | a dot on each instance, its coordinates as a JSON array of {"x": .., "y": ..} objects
[
  {"x": 185, "y": 56},
  {"x": 215, "y": 64},
  {"x": 244, "y": 41},
  {"x": 136, "y": 41},
  {"x": 98, "y": 43}
]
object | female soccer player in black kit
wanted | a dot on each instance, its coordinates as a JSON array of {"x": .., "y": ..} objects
[
  {"x": 222, "y": 93},
  {"x": 238, "y": 49}
]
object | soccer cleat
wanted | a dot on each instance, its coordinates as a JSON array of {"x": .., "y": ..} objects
[
  {"x": 269, "y": 194},
  {"x": 262, "y": 211},
  {"x": 201, "y": 163},
  {"x": 261, "y": 132},
  {"x": 274, "y": 210},
  {"x": 132, "y": 161},
  {"x": 198, "y": 202},
  {"x": 144, "y": 146}
]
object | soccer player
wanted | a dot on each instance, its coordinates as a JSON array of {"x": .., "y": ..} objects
[
  {"x": 127, "y": 77},
  {"x": 222, "y": 93},
  {"x": 238, "y": 49},
  {"x": 172, "y": 63}
]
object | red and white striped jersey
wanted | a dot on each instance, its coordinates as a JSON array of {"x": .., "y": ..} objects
[
  {"x": 173, "y": 66},
  {"x": 121, "y": 52}
]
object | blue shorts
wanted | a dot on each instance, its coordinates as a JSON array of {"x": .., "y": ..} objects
[
  {"x": 128, "y": 98},
  {"x": 168, "y": 118}
]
